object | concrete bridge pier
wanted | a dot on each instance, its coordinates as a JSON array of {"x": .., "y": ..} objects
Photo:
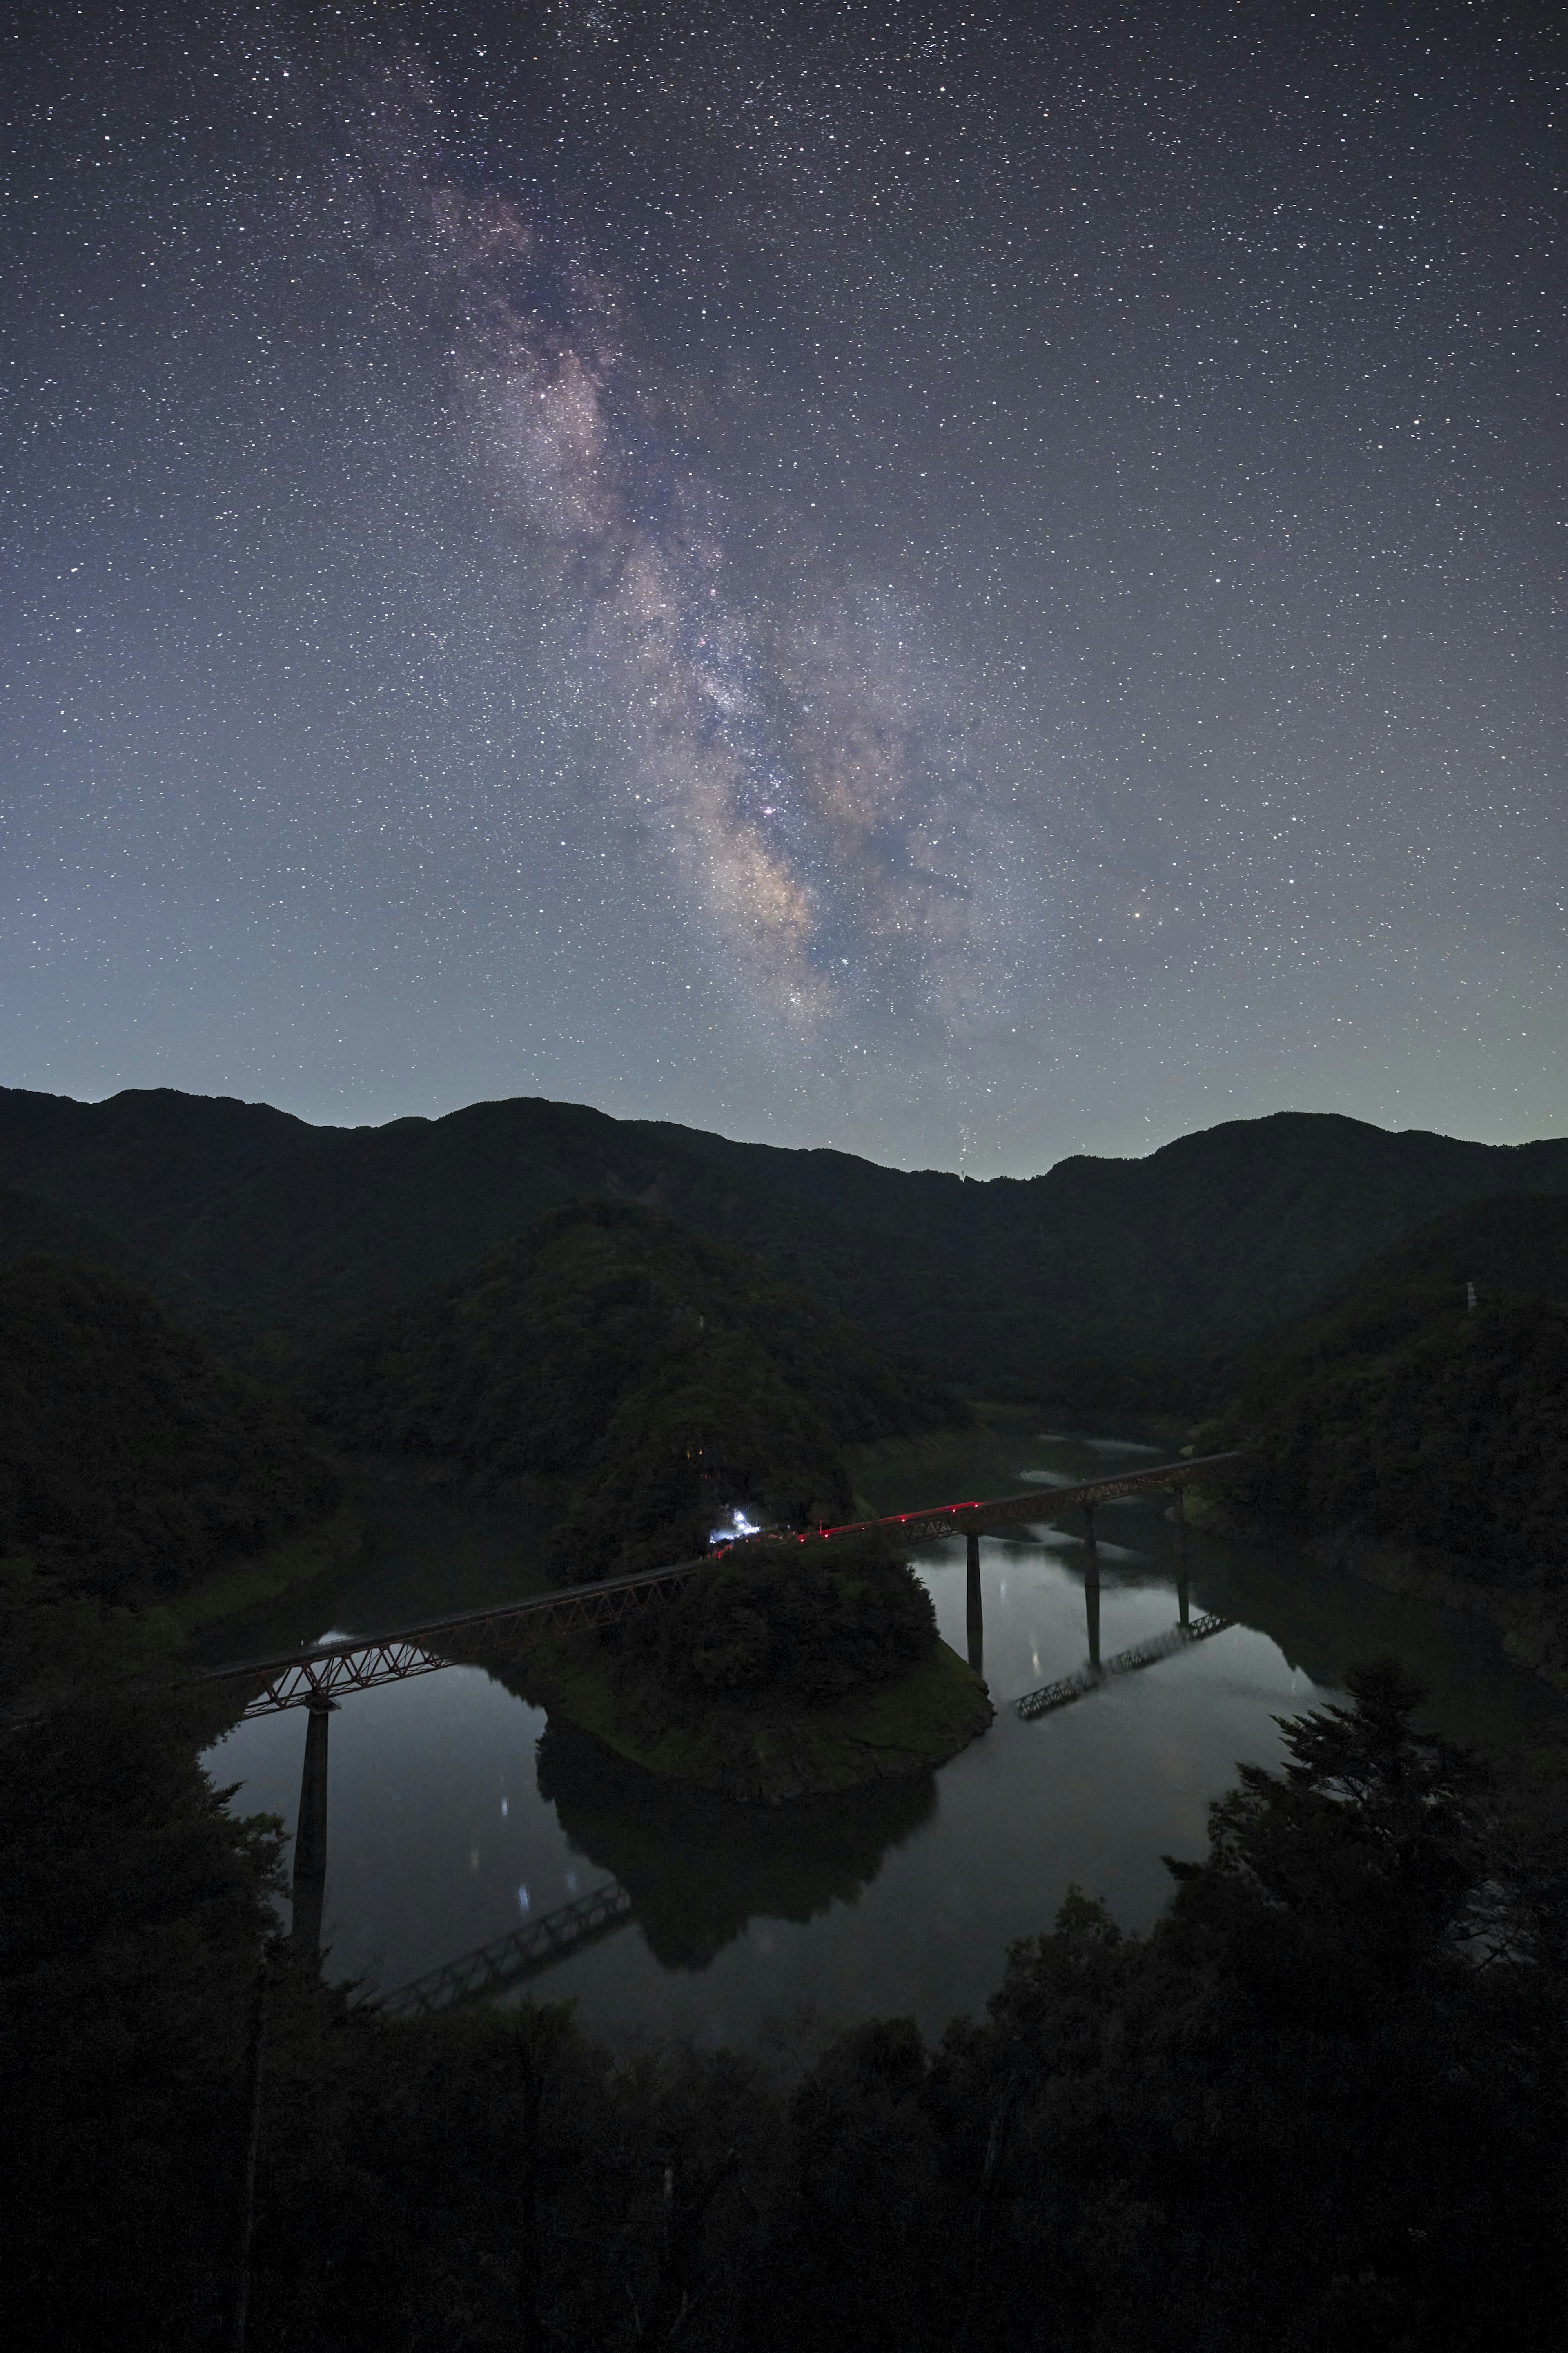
[
  {"x": 974, "y": 1608},
  {"x": 1092, "y": 1587},
  {"x": 309, "y": 1886}
]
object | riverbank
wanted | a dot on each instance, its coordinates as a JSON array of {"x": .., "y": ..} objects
[
  {"x": 753, "y": 1749},
  {"x": 244, "y": 1584},
  {"x": 994, "y": 1457},
  {"x": 1531, "y": 1615}
]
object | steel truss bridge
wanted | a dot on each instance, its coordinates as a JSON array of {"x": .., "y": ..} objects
[
  {"x": 319, "y": 1676},
  {"x": 315, "y": 1677}
]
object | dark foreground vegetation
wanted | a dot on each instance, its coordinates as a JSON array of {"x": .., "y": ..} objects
[
  {"x": 658, "y": 1379},
  {"x": 1322, "y": 2106}
]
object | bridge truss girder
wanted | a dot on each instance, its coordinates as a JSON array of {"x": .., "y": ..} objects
[{"x": 321, "y": 1677}]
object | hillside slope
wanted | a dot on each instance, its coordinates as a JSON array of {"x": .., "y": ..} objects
[
  {"x": 1401, "y": 1416},
  {"x": 661, "y": 1378},
  {"x": 1198, "y": 1248},
  {"x": 31, "y": 1229},
  {"x": 132, "y": 1463}
]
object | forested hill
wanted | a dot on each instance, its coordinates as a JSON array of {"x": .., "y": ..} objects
[
  {"x": 132, "y": 1462},
  {"x": 1401, "y": 1413},
  {"x": 662, "y": 1378},
  {"x": 1199, "y": 1247}
]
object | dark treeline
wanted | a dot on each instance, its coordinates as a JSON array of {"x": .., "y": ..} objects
[
  {"x": 636, "y": 1381},
  {"x": 1321, "y": 2106}
]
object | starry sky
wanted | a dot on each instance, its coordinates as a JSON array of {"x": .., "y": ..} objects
[{"x": 965, "y": 583}]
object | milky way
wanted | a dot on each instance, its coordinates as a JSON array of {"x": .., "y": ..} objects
[{"x": 965, "y": 587}]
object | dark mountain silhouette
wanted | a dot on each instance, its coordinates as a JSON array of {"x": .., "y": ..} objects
[{"x": 1197, "y": 1248}]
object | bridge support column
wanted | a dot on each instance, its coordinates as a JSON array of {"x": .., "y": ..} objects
[
  {"x": 310, "y": 1881},
  {"x": 973, "y": 1607},
  {"x": 1091, "y": 1588}
]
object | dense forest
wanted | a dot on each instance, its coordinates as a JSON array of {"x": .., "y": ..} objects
[
  {"x": 30, "y": 1227},
  {"x": 1320, "y": 2107},
  {"x": 133, "y": 1461},
  {"x": 660, "y": 1379},
  {"x": 809, "y": 1628},
  {"x": 1406, "y": 1413},
  {"x": 241, "y": 1210}
]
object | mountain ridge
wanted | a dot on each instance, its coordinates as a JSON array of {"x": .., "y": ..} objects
[{"x": 1200, "y": 1245}]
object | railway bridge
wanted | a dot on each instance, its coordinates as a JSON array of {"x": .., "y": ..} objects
[{"x": 316, "y": 1677}]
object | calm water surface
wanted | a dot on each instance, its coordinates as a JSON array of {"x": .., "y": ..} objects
[{"x": 459, "y": 1814}]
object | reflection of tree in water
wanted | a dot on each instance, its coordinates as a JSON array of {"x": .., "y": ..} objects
[
  {"x": 699, "y": 1867},
  {"x": 1326, "y": 1623}
]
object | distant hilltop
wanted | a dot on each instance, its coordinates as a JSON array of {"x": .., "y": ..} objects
[{"x": 241, "y": 1210}]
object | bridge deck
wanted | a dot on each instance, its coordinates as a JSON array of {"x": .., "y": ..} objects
[{"x": 316, "y": 1674}]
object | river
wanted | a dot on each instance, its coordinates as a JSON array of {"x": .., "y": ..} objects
[{"x": 458, "y": 1816}]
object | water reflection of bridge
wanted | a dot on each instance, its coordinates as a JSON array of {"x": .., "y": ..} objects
[
  {"x": 1068, "y": 1688},
  {"x": 316, "y": 1676},
  {"x": 508, "y": 1962},
  {"x": 1090, "y": 1677}
]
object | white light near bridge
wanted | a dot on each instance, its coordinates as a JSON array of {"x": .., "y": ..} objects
[{"x": 740, "y": 1525}]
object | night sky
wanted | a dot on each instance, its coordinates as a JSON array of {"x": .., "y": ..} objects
[{"x": 970, "y": 584}]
